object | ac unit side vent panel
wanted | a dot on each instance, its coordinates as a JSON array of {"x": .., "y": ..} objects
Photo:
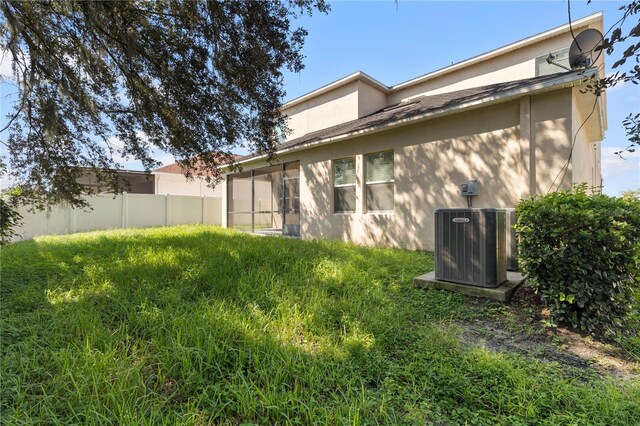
[{"x": 512, "y": 241}]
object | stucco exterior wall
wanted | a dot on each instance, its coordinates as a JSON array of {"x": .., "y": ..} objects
[
  {"x": 551, "y": 141},
  {"x": 586, "y": 164},
  {"x": 357, "y": 98},
  {"x": 430, "y": 161},
  {"x": 326, "y": 110},
  {"x": 514, "y": 149},
  {"x": 515, "y": 65},
  {"x": 370, "y": 99},
  {"x": 177, "y": 184}
]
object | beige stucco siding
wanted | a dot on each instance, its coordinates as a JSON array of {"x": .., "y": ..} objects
[
  {"x": 326, "y": 110},
  {"x": 551, "y": 140},
  {"x": 370, "y": 99},
  {"x": 431, "y": 160},
  {"x": 586, "y": 161},
  {"x": 514, "y": 65},
  {"x": 513, "y": 149},
  {"x": 358, "y": 95}
]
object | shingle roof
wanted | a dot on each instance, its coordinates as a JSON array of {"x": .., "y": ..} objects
[
  {"x": 199, "y": 168},
  {"x": 417, "y": 107},
  {"x": 171, "y": 168}
]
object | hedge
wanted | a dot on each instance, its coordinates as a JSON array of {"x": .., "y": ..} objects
[{"x": 581, "y": 253}]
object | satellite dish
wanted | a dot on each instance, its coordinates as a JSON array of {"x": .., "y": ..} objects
[{"x": 584, "y": 51}]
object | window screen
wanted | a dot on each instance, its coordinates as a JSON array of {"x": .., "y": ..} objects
[
  {"x": 379, "y": 181},
  {"x": 344, "y": 185}
]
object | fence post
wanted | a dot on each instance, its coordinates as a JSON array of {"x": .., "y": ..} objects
[
  {"x": 166, "y": 210},
  {"x": 224, "y": 200},
  {"x": 124, "y": 209},
  {"x": 67, "y": 208},
  {"x": 202, "y": 209},
  {"x": 72, "y": 220}
]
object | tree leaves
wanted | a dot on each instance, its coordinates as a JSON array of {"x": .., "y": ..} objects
[
  {"x": 190, "y": 78},
  {"x": 632, "y": 128},
  {"x": 618, "y": 40}
]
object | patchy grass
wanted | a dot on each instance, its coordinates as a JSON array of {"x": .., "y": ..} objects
[
  {"x": 199, "y": 325},
  {"x": 524, "y": 327}
]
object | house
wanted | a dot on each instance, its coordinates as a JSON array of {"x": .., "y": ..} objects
[
  {"x": 369, "y": 163},
  {"x": 169, "y": 179},
  {"x": 131, "y": 181}
]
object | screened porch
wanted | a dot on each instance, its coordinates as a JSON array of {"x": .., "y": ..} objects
[{"x": 266, "y": 200}]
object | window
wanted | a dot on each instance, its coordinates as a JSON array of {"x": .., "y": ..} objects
[
  {"x": 379, "y": 181},
  {"x": 344, "y": 185}
]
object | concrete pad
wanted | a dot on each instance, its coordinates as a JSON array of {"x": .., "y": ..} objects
[{"x": 502, "y": 293}]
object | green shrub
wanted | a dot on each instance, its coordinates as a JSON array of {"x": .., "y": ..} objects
[
  {"x": 582, "y": 254},
  {"x": 9, "y": 219}
]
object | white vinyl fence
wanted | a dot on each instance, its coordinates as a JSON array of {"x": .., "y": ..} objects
[{"x": 121, "y": 211}]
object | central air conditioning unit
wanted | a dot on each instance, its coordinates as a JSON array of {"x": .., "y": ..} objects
[
  {"x": 512, "y": 241},
  {"x": 470, "y": 246}
]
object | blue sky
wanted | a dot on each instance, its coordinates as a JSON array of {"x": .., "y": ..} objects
[{"x": 394, "y": 42}]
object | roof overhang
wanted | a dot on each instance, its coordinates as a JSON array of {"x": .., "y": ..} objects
[{"x": 563, "y": 81}]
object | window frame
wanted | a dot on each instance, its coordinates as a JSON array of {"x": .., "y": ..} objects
[
  {"x": 377, "y": 182},
  {"x": 344, "y": 185}
]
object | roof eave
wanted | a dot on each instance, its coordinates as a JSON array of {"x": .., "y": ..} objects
[{"x": 565, "y": 81}]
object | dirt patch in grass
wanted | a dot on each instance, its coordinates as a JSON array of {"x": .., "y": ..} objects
[{"x": 523, "y": 327}]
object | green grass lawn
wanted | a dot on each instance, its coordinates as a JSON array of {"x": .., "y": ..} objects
[{"x": 199, "y": 325}]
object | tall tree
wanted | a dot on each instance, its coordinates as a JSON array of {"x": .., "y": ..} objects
[{"x": 192, "y": 78}]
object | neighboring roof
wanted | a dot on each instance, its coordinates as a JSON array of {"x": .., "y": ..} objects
[
  {"x": 359, "y": 75},
  {"x": 171, "y": 168},
  {"x": 120, "y": 171},
  {"x": 425, "y": 107},
  {"x": 199, "y": 168}
]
